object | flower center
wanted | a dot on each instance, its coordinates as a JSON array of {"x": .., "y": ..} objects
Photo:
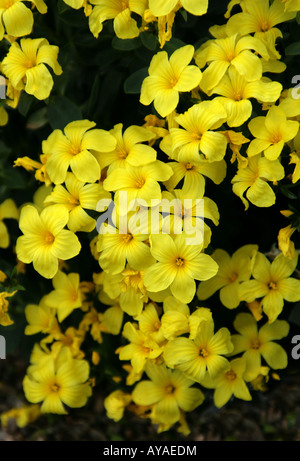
[
  {"x": 189, "y": 166},
  {"x": 122, "y": 153},
  {"x": 233, "y": 277},
  {"x": 255, "y": 344},
  {"x": 264, "y": 26},
  {"x": 139, "y": 183},
  {"x": 55, "y": 387},
  {"x": 30, "y": 63},
  {"x": 48, "y": 237},
  {"x": 276, "y": 138},
  {"x": 124, "y": 5},
  {"x": 203, "y": 352},
  {"x": 238, "y": 96},
  {"x": 75, "y": 149},
  {"x": 172, "y": 82},
  {"x": 272, "y": 286},
  {"x": 74, "y": 295},
  {"x": 170, "y": 389},
  {"x": 9, "y": 3},
  {"x": 231, "y": 375},
  {"x": 196, "y": 136},
  {"x": 127, "y": 238},
  {"x": 179, "y": 262},
  {"x": 146, "y": 350},
  {"x": 74, "y": 201},
  {"x": 230, "y": 56},
  {"x": 132, "y": 279}
]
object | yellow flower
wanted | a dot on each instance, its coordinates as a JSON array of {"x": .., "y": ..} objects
[
  {"x": 253, "y": 180},
  {"x": 5, "y": 319},
  {"x": 168, "y": 392},
  {"x": 149, "y": 323},
  {"x": 58, "y": 382},
  {"x": 8, "y": 210},
  {"x": 72, "y": 340},
  {"x": 3, "y": 116},
  {"x": 77, "y": 197},
  {"x": 225, "y": 53},
  {"x": 291, "y": 5},
  {"x": 236, "y": 140},
  {"x": 23, "y": 415},
  {"x": 271, "y": 133},
  {"x": 193, "y": 174},
  {"x": 230, "y": 5},
  {"x": 236, "y": 93},
  {"x": 93, "y": 321},
  {"x": 178, "y": 266},
  {"x": 177, "y": 319},
  {"x": 285, "y": 245},
  {"x": 141, "y": 347},
  {"x": 232, "y": 271},
  {"x": 185, "y": 210},
  {"x": 73, "y": 149},
  {"x": 25, "y": 66},
  {"x": 165, "y": 24},
  {"x": 27, "y": 163},
  {"x": 41, "y": 319},
  {"x": 272, "y": 283},
  {"x": 129, "y": 149},
  {"x": 259, "y": 17},
  {"x": 112, "y": 319},
  {"x": 128, "y": 287},
  {"x": 197, "y": 139},
  {"x": 16, "y": 19},
  {"x": 139, "y": 183},
  {"x": 76, "y": 4},
  {"x": 120, "y": 11},
  {"x": 45, "y": 240},
  {"x": 118, "y": 246},
  {"x": 164, "y": 7},
  {"x": 201, "y": 355},
  {"x": 66, "y": 295},
  {"x": 31, "y": 165},
  {"x": 295, "y": 159},
  {"x": 115, "y": 404},
  {"x": 169, "y": 77},
  {"x": 229, "y": 383},
  {"x": 256, "y": 344}
]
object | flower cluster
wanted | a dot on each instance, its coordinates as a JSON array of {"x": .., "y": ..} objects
[{"x": 136, "y": 203}]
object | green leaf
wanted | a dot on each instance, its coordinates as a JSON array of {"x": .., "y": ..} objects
[
  {"x": 184, "y": 14},
  {"x": 149, "y": 40},
  {"x": 126, "y": 44},
  {"x": 293, "y": 49},
  {"x": 173, "y": 45},
  {"x": 62, "y": 111},
  {"x": 62, "y": 7},
  {"x": 38, "y": 119},
  {"x": 12, "y": 178},
  {"x": 298, "y": 17},
  {"x": 94, "y": 97},
  {"x": 25, "y": 103},
  {"x": 132, "y": 84},
  {"x": 288, "y": 193}
]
